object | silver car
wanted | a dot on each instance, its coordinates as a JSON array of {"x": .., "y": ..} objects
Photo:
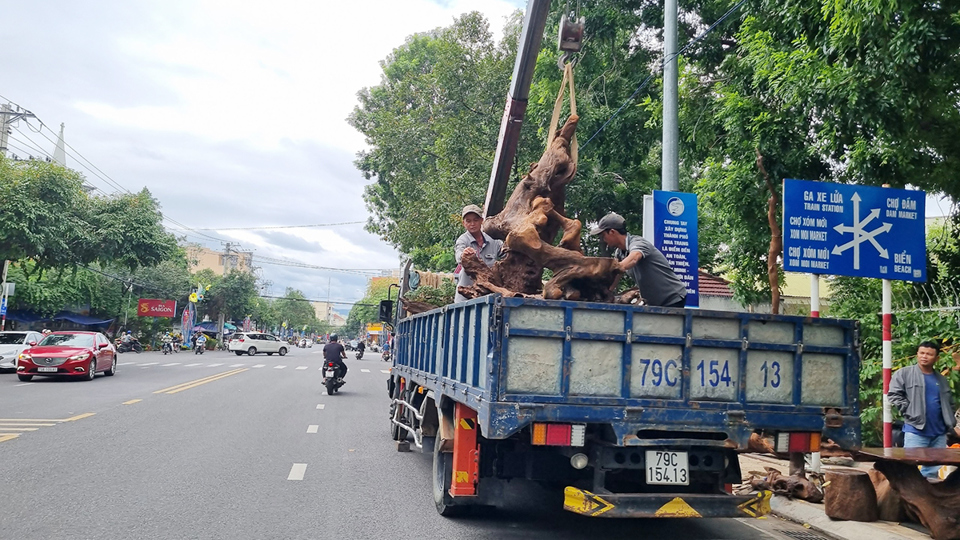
[{"x": 13, "y": 343}]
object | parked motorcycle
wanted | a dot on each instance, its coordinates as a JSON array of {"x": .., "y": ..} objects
[
  {"x": 132, "y": 345},
  {"x": 330, "y": 379}
]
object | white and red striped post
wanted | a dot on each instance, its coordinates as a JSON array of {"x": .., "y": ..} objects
[
  {"x": 887, "y": 362},
  {"x": 815, "y": 312}
]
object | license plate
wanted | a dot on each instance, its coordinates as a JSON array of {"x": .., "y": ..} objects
[
  {"x": 667, "y": 468},
  {"x": 46, "y": 370}
]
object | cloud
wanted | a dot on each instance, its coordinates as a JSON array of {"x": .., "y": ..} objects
[{"x": 233, "y": 113}]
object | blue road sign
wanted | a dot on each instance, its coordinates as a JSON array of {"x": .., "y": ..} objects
[
  {"x": 3, "y": 306},
  {"x": 845, "y": 230},
  {"x": 675, "y": 234}
]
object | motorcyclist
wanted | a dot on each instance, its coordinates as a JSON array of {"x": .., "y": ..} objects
[
  {"x": 167, "y": 340},
  {"x": 201, "y": 341},
  {"x": 127, "y": 338},
  {"x": 333, "y": 352}
]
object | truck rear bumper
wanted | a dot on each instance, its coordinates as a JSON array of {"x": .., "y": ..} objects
[{"x": 646, "y": 505}]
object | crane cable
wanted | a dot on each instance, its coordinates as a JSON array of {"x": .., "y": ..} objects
[{"x": 558, "y": 105}]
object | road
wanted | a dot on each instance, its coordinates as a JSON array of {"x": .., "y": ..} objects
[{"x": 221, "y": 446}]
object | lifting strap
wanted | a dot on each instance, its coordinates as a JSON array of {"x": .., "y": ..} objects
[{"x": 555, "y": 119}]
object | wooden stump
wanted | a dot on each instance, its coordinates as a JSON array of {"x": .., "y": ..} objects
[
  {"x": 850, "y": 496},
  {"x": 937, "y": 504}
]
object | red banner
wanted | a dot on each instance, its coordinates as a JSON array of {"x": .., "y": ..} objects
[{"x": 156, "y": 308}]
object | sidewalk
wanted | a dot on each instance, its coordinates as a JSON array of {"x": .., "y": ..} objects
[{"x": 812, "y": 515}]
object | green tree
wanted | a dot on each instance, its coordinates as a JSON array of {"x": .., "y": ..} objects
[
  {"x": 233, "y": 295},
  {"x": 367, "y": 309},
  {"x": 296, "y": 311}
]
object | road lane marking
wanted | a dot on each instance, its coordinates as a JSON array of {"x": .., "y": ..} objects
[
  {"x": 192, "y": 365},
  {"x": 79, "y": 417},
  {"x": 320, "y": 405},
  {"x": 312, "y": 428},
  {"x": 215, "y": 365},
  {"x": 132, "y": 401},
  {"x": 259, "y": 365},
  {"x": 171, "y": 364},
  {"x": 302, "y": 367},
  {"x": 18, "y": 426},
  {"x": 150, "y": 364},
  {"x": 364, "y": 371},
  {"x": 317, "y": 352},
  {"x": 279, "y": 367},
  {"x": 238, "y": 365},
  {"x": 190, "y": 384},
  {"x": 387, "y": 371},
  {"x": 297, "y": 471},
  {"x": 25, "y": 384},
  {"x": 125, "y": 363}
]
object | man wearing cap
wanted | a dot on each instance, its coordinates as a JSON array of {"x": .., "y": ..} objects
[
  {"x": 486, "y": 248},
  {"x": 658, "y": 284}
]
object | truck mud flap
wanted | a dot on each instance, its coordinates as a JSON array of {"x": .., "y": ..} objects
[{"x": 647, "y": 505}]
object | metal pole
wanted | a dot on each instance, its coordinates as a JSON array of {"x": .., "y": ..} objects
[
  {"x": 671, "y": 130},
  {"x": 887, "y": 362},
  {"x": 3, "y": 295}
]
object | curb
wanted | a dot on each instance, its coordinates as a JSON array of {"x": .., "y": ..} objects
[{"x": 809, "y": 514}]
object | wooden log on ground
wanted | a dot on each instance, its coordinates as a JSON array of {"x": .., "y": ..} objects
[
  {"x": 889, "y": 502},
  {"x": 936, "y": 504},
  {"x": 850, "y": 496}
]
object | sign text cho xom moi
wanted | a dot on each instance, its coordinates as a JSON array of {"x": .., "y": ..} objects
[{"x": 845, "y": 230}]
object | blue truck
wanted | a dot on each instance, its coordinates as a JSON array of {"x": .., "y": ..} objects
[{"x": 632, "y": 411}]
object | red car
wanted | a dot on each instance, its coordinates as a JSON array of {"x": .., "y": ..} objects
[{"x": 76, "y": 354}]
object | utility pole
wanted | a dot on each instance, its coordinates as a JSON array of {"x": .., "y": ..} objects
[
  {"x": 7, "y": 117},
  {"x": 227, "y": 259},
  {"x": 671, "y": 131}
]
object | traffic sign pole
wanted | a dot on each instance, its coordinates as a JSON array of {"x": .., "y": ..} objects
[
  {"x": 815, "y": 313},
  {"x": 887, "y": 362}
]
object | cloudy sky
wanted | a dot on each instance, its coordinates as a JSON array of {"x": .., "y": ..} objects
[{"x": 231, "y": 112}]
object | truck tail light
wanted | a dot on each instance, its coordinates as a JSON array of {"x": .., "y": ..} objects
[
  {"x": 559, "y": 434},
  {"x": 797, "y": 442}
]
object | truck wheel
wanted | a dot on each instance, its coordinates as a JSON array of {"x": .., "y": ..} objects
[
  {"x": 397, "y": 433},
  {"x": 442, "y": 475}
]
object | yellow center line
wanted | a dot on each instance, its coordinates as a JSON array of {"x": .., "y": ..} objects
[
  {"x": 19, "y": 429},
  {"x": 79, "y": 417},
  {"x": 197, "y": 381},
  {"x": 132, "y": 401},
  {"x": 19, "y": 424},
  {"x": 9, "y": 437},
  {"x": 31, "y": 419}
]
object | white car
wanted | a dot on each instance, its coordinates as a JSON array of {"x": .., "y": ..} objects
[
  {"x": 14, "y": 343},
  {"x": 255, "y": 342}
]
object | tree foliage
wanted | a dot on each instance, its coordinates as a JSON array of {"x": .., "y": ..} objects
[{"x": 367, "y": 309}]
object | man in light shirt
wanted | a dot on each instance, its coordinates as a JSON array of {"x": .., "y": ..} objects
[{"x": 486, "y": 248}]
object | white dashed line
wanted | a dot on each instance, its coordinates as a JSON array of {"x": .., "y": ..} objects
[
  {"x": 302, "y": 367},
  {"x": 150, "y": 364},
  {"x": 279, "y": 367},
  {"x": 387, "y": 371},
  {"x": 125, "y": 363},
  {"x": 192, "y": 365},
  {"x": 320, "y": 405},
  {"x": 312, "y": 428},
  {"x": 364, "y": 371},
  {"x": 237, "y": 365},
  {"x": 259, "y": 365},
  {"x": 297, "y": 471},
  {"x": 25, "y": 384},
  {"x": 316, "y": 352},
  {"x": 215, "y": 365},
  {"x": 172, "y": 364}
]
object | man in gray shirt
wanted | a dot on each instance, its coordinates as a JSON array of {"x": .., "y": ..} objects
[
  {"x": 658, "y": 284},
  {"x": 486, "y": 248}
]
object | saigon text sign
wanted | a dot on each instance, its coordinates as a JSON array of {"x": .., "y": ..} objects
[{"x": 156, "y": 308}]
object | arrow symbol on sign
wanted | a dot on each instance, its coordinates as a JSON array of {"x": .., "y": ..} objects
[{"x": 859, "y": 235}]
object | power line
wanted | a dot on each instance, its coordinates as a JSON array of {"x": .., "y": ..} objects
[
  {"x": 309, "y": 300},
  {"x": 662, "y": 64},
  {"x": 299, "y": 264},
  {"x": 265, "y": 227}
]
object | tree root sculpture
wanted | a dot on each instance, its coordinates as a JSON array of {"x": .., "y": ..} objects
[{"x": 529, "y": 224}]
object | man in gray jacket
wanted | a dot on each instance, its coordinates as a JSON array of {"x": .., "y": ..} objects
[
  {"x": 923, "y": 397},
  {"x": 486, "y": 248}
]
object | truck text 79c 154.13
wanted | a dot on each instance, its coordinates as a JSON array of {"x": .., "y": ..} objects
[{"x": 635, "y": 411}]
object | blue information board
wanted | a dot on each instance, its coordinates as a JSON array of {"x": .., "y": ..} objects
[
  {"x": 675, "y": 235},
  {"x": 3, "y": 306},
  {"x": 849, "y": 230}
]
